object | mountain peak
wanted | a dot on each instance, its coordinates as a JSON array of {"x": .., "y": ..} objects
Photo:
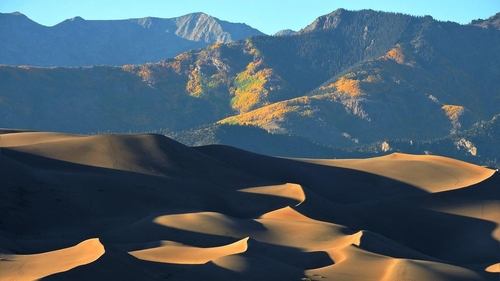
[
  {"x": 201, "y": 27},
  {"x": 285, "y": 32},
  {"x": 339, "y": 11},
  {"x": 359, "y": 17},
  {"x": 16, "y": 13},
  {"x": 13, "y": 14},
  {"x": 77, "y": 18},
  {"x": 73, "y": 20},
  {"x": 326, "y": 22},
  {"x": 200, "y": 14},
  {"x": 197, "y": 15},
  {"x": 17, "y": 18}
]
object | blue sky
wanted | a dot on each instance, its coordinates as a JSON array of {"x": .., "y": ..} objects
[{"x": 268, "y": 16}]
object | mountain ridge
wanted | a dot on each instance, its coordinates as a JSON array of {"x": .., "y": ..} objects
[
  {"x": 491, "y": 22},
  {"x": 79, "y": 42},
  {"x": 371, "y": 78}
]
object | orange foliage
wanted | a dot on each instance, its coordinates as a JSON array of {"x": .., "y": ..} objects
[
  {"x": 252, "y": 66},
  {"x": 215, "y": 46},
  {"x": 453, "y": 111},
  {"x": 396, "y": 54},
  {"x": 261, "y": 117},
  {"x": 264, "y": 117},
  {"x": 345, "y": 85},
  {"x": 250, "y": 87},
  {"x": 194, "y": 86},
  {"x": 145, "y": 73},
  {"x": 269, "y": 117}
]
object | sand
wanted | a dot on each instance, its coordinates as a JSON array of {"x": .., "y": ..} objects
[
  {"x": 35, "y": 266},
  {"x": 429, "y": 172},
  {"x": 176, "y": 253},
  {"x": 144, "y": 207}
]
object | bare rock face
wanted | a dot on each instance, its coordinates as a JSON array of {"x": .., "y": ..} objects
[{"x": 201, "y": 27}]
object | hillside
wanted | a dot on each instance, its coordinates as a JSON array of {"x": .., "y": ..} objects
[
  {"x": 396, "y": 94},
  {"x": 80, "y": 42},
  {"x": 491, "y": 22},
  {"x": 144, "y": 207},
  {"x": 477, "y": 144},
  {"x": 350, "y": 79},
  {"x": 254, "y": 139}
]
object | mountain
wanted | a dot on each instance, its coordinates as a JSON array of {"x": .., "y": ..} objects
[
  {"x": 346, "y": 82},
  {"x": 78, "y": 42},
  {"x": 145, "y": 207},
  {"x": 478, "y": 144},
  {"x": 254, "y": 139},
  {"x": 374, "y": 98},
  {"x": 491, "y": 22},
  {"x": 285, "y": 32}
]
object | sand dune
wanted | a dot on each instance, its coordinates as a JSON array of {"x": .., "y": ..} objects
[
  {"x": 494, "y": 268},
  {"x": 129, "y": 153},
  {"x": 357, "y": 264},
  {"x": 429, "y": 172},
  {"x": 289, "y": 190},
  {"x": 30, "y": 138},
  {"x": 35, "y": 266},
  {"x": 176, "y": 253},
  {"x": 165, "y": 211}
]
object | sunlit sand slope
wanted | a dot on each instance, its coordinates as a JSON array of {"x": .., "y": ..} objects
[
  {"x": 35, "y": 266},
  {"x": 164, "y": 211},
  {"x": 176, "y": 253},
  {"x": 429, "y": 172}
]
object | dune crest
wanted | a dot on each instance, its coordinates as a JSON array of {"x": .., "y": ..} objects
[
  {"x": 35, "y": 266},
  {"x": 146, "y": 153},
  {"x": 31, "y": 138},
  {"x": 429, "y": 172},
  {"x": 286, "y": 213},
  {"x": 289, "y": 190},
  {"x": 353, "y": 264},
  {"x": 494, "y": 268},
  {"x": 176, "y": 253}
]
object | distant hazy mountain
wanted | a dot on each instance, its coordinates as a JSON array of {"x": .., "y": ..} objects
[
  {"x": 349, "y": 81},
  {"x": 77, "y": 42}
]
